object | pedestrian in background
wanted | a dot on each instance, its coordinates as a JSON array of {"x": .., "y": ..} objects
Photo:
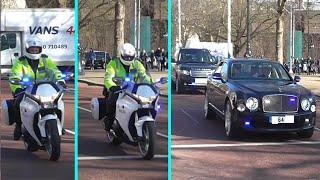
[
  {"x": 158, "y": 58},
  {"x": 143, "y": 58},
  {"x": 92, "y": 57},
  {"x": 153, "y": 62},
  {"x": 163, "y": 60}
]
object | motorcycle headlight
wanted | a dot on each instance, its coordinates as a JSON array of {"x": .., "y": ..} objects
[
  {"x": 305, "y": 104},
  {"x": 47, "y": 105},
  {"x": 252, "y": 103}
]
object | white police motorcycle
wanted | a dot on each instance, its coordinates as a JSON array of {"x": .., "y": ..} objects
[
  {"x": 42, "y": 115},
  {"x": 136, "y": 110}
]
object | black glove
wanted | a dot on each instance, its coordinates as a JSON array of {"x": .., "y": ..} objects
[
  {"x": 115, "y": 88},
  {"x": 63, "y": 84},
  {"x": 18, "y": 92}
]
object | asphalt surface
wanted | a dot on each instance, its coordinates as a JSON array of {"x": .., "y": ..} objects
[
  {"x": 208, "y": 154},
  {"x": 99, "y": 160},
  {"x": 17, "y": 163}
]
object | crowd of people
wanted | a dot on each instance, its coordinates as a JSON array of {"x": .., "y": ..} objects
[
  {"x": 155, "y": 59},
  {"x": 305, "y": 65}
]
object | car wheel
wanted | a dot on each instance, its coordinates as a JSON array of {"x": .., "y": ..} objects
[
  {"x": 208, "y": 112},
  {"x": 229, "y": 121},
  {"x": 306, "y": 133},
  {"x": 179, "y": 86}
]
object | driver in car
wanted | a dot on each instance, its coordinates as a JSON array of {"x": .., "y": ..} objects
[
  {"x": 121, "y": 68},
  {"x": 33, "y": 66},
  {"x": 266, "y": 72}
]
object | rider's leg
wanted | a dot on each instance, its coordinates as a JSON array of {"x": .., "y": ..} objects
[
  {"x": 111, "y": 110},
  {"x": 17, "y": 117}
]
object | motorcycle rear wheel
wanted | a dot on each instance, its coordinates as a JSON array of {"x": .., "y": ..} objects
[
  {"x": 29, "y": 143},
  {"x": 114, "y": 140}
]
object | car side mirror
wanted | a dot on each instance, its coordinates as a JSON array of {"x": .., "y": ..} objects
[{"x": 297, "y": 78}]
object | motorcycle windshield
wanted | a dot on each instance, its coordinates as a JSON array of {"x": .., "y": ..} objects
[
  {"x": 44, "y": 89},
  {"x": 146, "y": 91}
]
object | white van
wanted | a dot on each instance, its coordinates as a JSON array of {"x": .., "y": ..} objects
[{"x": 55, "y": 27}]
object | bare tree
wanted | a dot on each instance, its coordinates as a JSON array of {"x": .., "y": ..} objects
[
  {"x": 90, "y": 10},
  {"x": 279, "y": 30},
  {"x": 209, "y": 21},
  {"x": 119, "y": 26}
]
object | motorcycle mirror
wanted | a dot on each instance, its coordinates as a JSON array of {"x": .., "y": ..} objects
[
  {"x": 163, "y": 80},
  {"x": 14, "y": 81}
]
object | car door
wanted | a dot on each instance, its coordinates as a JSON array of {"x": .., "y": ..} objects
[
  {"x": 174, "y": 65},
  {"x": 213, "y": 87},
  {"x": 222, "y": 87}
]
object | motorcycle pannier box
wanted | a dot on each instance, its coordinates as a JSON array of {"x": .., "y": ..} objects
[
  {"x": 98, "y": 108},
  {"x": 7, "y": 113}
]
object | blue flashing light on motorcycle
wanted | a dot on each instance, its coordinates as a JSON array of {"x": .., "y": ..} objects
[
  {"x": 63, "y": 76},
  {"x": 25, "y": 79},
  {"x": 127, "y": 79}
]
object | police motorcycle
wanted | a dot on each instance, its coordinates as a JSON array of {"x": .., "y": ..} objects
[
  {"x": 42, "y": 114},
  {"x": 136, "y": 110}
]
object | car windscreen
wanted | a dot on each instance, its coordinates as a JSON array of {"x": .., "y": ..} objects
[
  {"x": 100, "y": 55},
  {"x": 195, "y": 55},
  {"x": 258, "y": 71}
]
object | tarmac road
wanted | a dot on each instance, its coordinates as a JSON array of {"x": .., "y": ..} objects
[
  {"x": 99, "y": 160},
  {"x": 201, "y": 150},
  {"x": 17, "y": 163}
]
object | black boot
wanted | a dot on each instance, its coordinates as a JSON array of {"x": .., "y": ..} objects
[{"x": 17, "y": 132}]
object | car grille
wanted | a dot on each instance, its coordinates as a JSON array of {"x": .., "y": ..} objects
[
  {"x": 280, "y": 103},
  {"x": 200, "y": 72}
]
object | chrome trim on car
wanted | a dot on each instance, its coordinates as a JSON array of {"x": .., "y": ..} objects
[
  {"x": 298, "y": 103},
  {"x": 216, "y": 109}
]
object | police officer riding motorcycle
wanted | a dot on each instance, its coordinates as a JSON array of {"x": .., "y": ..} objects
[{"x": 36, "y": 66}]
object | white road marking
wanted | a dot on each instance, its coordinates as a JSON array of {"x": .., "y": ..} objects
[
  {"x": 158, "y": 133},
  {"x": 189, "y": 116},
  {"x": 88, "y": 158},
  {"x": 317, "y": 129},
  {"x": 84, "y": 109},
  {"x": 69, "y": 131},
  {"x": 191, "y": 146},
  {"x": 162, "y": 135}
]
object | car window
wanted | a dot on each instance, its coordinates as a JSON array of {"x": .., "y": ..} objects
[
  {"x": 100, "y": 55},
  {"x": 258, "y": 70},
  {"x": 8, "y": 41},
  {"x": 224, "y": 71},
  {"x": 195, "y": 55},
  {"x": 218, "y": 70}
]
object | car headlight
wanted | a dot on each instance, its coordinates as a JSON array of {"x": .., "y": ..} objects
[
  {"x": 186, "y": 72},
  {"x": 252, "y": 103},
  {"x": 305, "y": 104}
]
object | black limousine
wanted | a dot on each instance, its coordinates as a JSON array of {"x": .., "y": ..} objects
[{"x": 260, "y": 96}]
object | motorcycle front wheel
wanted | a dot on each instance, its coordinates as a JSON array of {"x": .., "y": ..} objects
[
  {"x": 53, "y": 140},
  {"x": 147, "y": 144}
]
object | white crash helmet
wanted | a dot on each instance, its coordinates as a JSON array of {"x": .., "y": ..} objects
[
  {"x": 127, "y": 53},
  {"x": 33, "y": 48}
]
